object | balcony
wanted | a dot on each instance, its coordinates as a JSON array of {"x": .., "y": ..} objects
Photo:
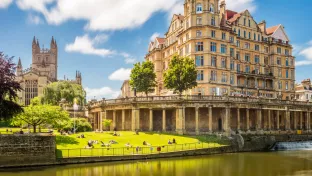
[{"x": 254, "y": 74}]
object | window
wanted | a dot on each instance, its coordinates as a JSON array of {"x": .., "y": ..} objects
[
  {"x": 279, "y": 72},
  {"x": 238, "y": 67},
  {"x": 279, "y": 50},
  {"x": 200, "y": 75},
  {"x": 247, "y": 45},
  {"x": 238, "y": 55},
  {"x": 232, "y": 65},
  {"x": 231, "y": 39},
  {"x": 213, "y": 21},
  {"x": 199, "y": 61},
  {"x": 249, "y": 35},
  {"x": 266, "y": 60},
  {"x": 286, "y": 85},
  {"x": 213, "y": 76},
  {"x": 213, "y": 33},
  {"x": 247, "y": 57},
  {"x": 232, "y": 52},
  {"x": 224, "y": 77},
  {"x": 199, "y": 46},
  {"x": 223, "y": 49},
  {"x": 266, "y": 49},
  {"x": 257, "y": 47},
  {"x": 244, "y": 34},
  {"x": 239, "y": 32},
  {"x": 211, "y": 9},
  {"x": 287, "y": 62},
  {"x": 199, "y": 20},
  {"x": 213, "y": 91},
  {"x": 223, "y": 63},
  {"x": 259, "y": 37},
  {"x": 238, "y": 43},
  {"x": 223, "y": 36},
  {"x": 255, "y": 36},
  {"x": 287, "y": 74},
  {"x": 244, "y": 21},
  {"x": 214, "y": 61},
  {"x": 278, "y": 61},
  {"x": 257, "y": 70},
  {"x": 286, "y": 52},
  {"x": 232, "y": 79},
  {"x": 213, "y": 47},
  {"x": 247, "y": 69},
  {"x": 198, "y": 33},
  {"x": 187, "y": 49},
  {"x": 280, "y": 85},
  {"x": 199, "y": 8},
  {"x": 249, "y": 23},
  {"x": 257, "y": 60}
]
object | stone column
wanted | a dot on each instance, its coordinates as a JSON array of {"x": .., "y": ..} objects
[
  {"x": 180, "y": 119},
  {"x": 307, "y": 121},
  {"x": 101, "y": 121},
  {"x": 151, "y": 120},
  {"x": 227, "y": 127},
  {"x": 196, "y": 121},
  {"x": 123, "y": 119},
  {"x": 301, "y": 119},
  {"x": 269, "y": 120},
  {"x": 135, "y": 119},
  {"x": 114, "y": 121},
  {"x": 277, "y": 120},
  {"x": 164, "y": 120},
  {"x": 287, "y": 125},
  {"x": 210, "y": 118},
  {"x": 295, "y": 120},
  {"x": 247, "y": 119},
  {"x": 238, "y": 119},
  {"x": 259, "y": 119}
]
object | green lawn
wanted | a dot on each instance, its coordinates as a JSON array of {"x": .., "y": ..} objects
[{"x": 72, "y": 146}]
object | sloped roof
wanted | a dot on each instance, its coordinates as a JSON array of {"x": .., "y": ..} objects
[
  {"x": 161, "y": 40},
  {"x": 271, "y": 30}
]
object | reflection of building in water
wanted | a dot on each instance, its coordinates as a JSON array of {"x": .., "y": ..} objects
[{"x": 42, "y": 71}]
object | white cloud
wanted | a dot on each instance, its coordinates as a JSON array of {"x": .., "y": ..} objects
[
  {"x": 304, "y": 51},
  {"x": 154, "y": 36},
  {"x": 85, "y": 45},
  {"x": 120, "y": 74},
  {"x": 241, "y": 5},
  {"x": 5, "y": 3},
  {"x": 101, "y": 38},
  {"x": 34, "y": 19},
  {"x": 99, "y": 93},
  {"x": 130, "y": 60}
]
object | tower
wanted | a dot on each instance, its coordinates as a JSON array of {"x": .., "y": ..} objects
[
  {"x": 78, "y": 77},
  {"x": 19, "y": 68},
  {"x": 54, "y": 53}
]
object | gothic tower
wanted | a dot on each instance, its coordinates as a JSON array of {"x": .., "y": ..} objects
[{"x": 19, "y": 68}]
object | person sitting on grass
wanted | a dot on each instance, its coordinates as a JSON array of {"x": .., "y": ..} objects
[
  {"x": 7, "y": 130},
  {"x": 21, "y": 131},
  {"x": 169, "y": 142},
  {"x": 173, "y": 141},
  {"x": 113, "y": 142},
  {"x": 128, "y": 145}
]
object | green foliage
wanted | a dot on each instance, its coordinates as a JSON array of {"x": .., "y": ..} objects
[
  {"x": 39, "y": 115},
  {"x": 81, "y": 125},
  {"x": 143, "y": 77},
  {"x": 181, "y": 74},
  {"x": 107, "y": 123},
  {"x": 69, "y": 91}
]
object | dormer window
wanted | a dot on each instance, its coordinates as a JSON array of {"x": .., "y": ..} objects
[
  {"x": 199, "y": 8},
  {"x": 211, "y": 9}
]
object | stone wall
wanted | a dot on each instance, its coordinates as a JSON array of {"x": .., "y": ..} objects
[{"x": 26, "y": 150}]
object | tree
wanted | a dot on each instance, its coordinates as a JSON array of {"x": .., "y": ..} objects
[
  {"x": 55, "y": 92},
  {"x": 142, "y": 77},
  {"x": 107, "y": 123},
  {"x": 37, "y": 114},
  {"x": 81, "y": 125},
  {"x": 8, "y": 88},
  {"x": 181, "y": 74}
]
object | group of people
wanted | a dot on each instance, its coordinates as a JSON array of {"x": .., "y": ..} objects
[
  {"x": 116, "y": 134},
  {"x": 173, "y": 141},
  {"x": 81, "y": 136}
]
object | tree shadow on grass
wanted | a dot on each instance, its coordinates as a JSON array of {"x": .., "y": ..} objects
[{"x": 64, "y": 140}]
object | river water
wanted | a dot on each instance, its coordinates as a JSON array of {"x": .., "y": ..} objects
[{"x": 289, "y": 163}]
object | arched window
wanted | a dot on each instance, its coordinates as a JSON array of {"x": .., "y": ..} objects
[
  {"x": 199, "y": 8},
  {"x": 211, "y": 9}
]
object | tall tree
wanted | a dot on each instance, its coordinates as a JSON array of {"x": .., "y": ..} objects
[
  {"x": 142, "y": 77},
  {"x": 37, "y": 114},
  {"x": 8, "y": 88},
  {"x": 55, "y": 92},
  {"x": 181, "y": 74}
]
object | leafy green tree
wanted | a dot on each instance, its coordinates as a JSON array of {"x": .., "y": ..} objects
[
  {"x": 55, "y": 92},
  {"x": 142, "y": 77},
  {"x": 107, "y": 123},
  {"x": 181, "y": 74},
  {"x": 8, "y": 88},
  {"x": 37, "y": 114},
  {"x": 81, "y": 125}
]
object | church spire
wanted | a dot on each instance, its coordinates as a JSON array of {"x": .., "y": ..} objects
[
  {"x": 34, "y": 40},
  {"x": 19, "y": 65}
]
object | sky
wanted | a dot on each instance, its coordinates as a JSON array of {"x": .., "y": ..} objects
[{"x": 104, "y": 38}]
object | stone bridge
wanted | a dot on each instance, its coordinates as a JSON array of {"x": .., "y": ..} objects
[{"x": 202, "y": 114}]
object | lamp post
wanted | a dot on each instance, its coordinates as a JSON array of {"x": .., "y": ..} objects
[{"x": 75, "y": 107}]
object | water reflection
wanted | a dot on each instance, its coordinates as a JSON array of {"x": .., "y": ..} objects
[{"x": 292, "y": 163}]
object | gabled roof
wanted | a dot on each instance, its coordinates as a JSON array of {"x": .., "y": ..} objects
[
  {"x": 271, "y": 30},
  {"x": 235, "y": 17},
  {"x": 230, "y": 14},
  {"x": 160, "y": 40}
]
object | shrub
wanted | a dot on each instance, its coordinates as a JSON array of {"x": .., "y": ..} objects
[{"x": 81, "y": 125}]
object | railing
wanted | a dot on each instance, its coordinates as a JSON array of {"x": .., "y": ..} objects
[
  {"x": 212, "y": 98},
  {"x": 128, "y": 151}
]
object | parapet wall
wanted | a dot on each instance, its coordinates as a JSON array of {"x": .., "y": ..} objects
[{"x": 26, "y": 150}]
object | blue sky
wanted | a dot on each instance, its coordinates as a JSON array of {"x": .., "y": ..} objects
[{"x": 103, "y": 38}]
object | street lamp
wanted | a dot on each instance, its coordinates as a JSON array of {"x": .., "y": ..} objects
[{"x": 75, "y": 107}]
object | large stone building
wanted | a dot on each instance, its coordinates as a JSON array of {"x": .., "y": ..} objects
[
  {"x": 233, "y": 53},
  {"x": 304, "y": 91},
  {"x": 42, "y": 71}
]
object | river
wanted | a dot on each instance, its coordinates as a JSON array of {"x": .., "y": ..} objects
[{"x": 289, "y": 163}]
